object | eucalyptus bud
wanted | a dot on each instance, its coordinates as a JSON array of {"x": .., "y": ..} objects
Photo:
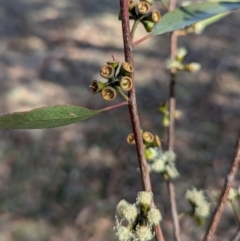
[
  {"x": 109, "y": 93},
  {"x": 107, "y": 71},
  {"x": 97, "y": 86}
]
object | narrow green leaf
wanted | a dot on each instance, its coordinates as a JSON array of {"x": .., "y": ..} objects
[
  {"x": 185, "y": 16},
  {"x": 46, "y": 117},
  {"x": 200, "y": 26}
]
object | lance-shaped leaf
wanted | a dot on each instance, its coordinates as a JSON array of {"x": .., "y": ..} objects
[
  {"x": 200, "y": 26},
  {"x": 46, "y": 117},
  {"x": 185, "y": 16}
]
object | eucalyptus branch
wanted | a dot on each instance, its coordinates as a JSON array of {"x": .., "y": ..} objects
[
  {"x": 224, "y": 195},
  {"x": 127, "y": 41},
  {"x": 171, "y": 134}
]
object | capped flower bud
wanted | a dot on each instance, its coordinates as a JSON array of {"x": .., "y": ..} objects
[
  {"x": 114, "y": 64},
  {"x": 148, "y": 25},
  {"x": 148, "y": 137},
  {"x": 181, "y": 53},
  {"x": 109, "y": 93},
  {"x": 126, "y": 83},
  {"x": 144, "y": 233},
  {"x": 156, "y": 16},
  {"x": 97, "y": 86},
  {"x": 107, "y": 71},
  {"x": 126, "y": 69},
  {"x": 154, "y": 216},
  {"x": 232, "y": 194},
  {"x": 174, "y": 64},
  {"x": 172, "y": 171},
  {"x": 157, "y": 141},
  {"x": 143, "y": 8},
  {"x": 131, "y": 139},
  {"x": 151, "y": 153},
  {"x": 193, "y": 67},
  {"x": 144, "y": 198}
]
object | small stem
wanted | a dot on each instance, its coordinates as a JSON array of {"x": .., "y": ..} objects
[
  {"x": 115, "y": 106},
  {"x": 174, "y": 213},
  {"x": 171, "y": 129},
  {"x": 172, "y": 107},
  {"x": 120, "y": 92},
  {"x": 134, "y": 27},
  {"x": 141, "y": 40},
  {"x": 127, "y": 41},
  {"x": 224, "y": 195}
]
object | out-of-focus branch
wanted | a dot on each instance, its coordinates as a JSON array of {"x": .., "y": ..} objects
[
  {"x": 224, "y": 195},
  {"x": 171, "y": 132}
]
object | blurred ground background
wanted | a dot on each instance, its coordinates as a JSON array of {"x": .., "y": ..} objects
[{"x": 63, "y": 184}]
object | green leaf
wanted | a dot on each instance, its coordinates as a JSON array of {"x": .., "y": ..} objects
[
  {"x": 46, "y": 117},
  {"x": 200, "y": 26},
  {"x": 185, "y": 16}
]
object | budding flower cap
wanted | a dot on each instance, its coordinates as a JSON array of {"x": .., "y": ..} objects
[
  {"x": 232, "y": 194},
  {"x": 172, "y": 171},
  {"x": 144, "y": 198},
  {"x": 181, "y": 53},
  {"x": 194, "y": 67}
]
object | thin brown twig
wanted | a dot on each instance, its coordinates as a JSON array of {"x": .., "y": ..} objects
[
  {"x": 224, "y": 195},
  {"x": 115, "y": 106},
  {"x": 171, "y": 132},
  {"x": 127, "y": 41}
]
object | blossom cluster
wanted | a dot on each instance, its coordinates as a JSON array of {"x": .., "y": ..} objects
[
  {"x": 162, "y": 162},
  {"x": 135, "y": 221}
]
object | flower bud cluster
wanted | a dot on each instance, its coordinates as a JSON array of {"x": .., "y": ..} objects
[
  {"x": 164, "y": 109},
  {"x": 117, "y": 80},
  {"x": 200, "y": 207},
  {"x": 162, "y": 162},
  {"x": 178, "y": 65},
  {"x": 135, "y": 221},
  {"x": 149, "y": 140},
  {"x": 159, "y": 160},
  {"x": 141, "y": 10}
]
